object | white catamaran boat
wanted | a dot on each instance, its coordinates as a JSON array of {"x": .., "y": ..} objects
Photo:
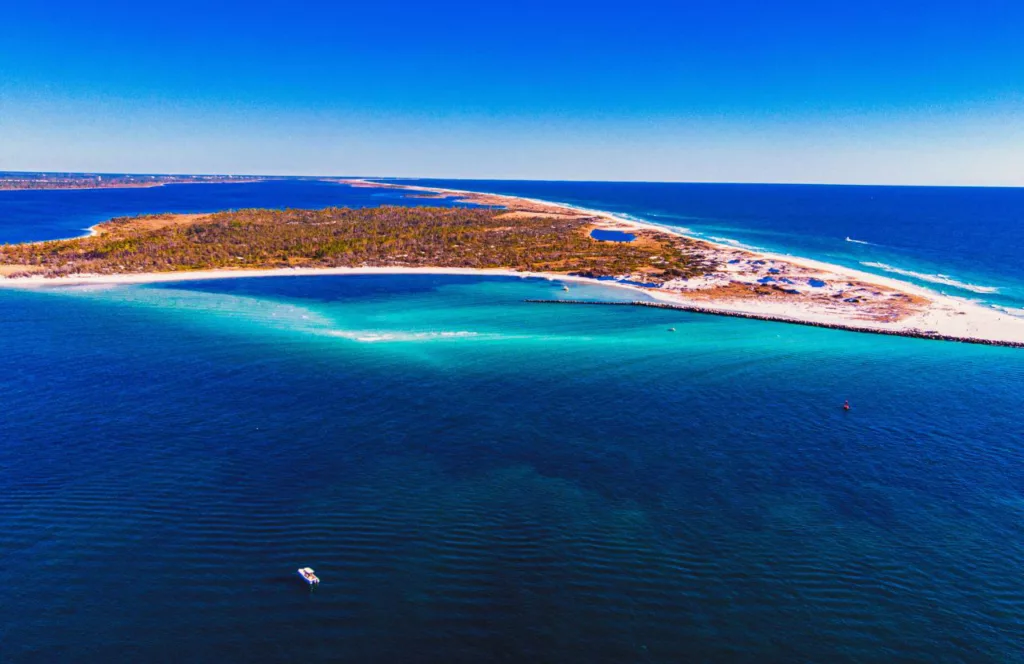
[{"x": 308, "y": 576}]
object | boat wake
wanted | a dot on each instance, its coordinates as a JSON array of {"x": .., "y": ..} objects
[
  {"x": 943, "y": 279},
  {"x": 850, "y": 239}
]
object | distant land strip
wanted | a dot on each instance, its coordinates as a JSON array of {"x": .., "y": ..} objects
[{"x": 11, "y": 181}]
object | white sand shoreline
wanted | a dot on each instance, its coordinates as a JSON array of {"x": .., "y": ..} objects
[{"x": 33, "y": 282}]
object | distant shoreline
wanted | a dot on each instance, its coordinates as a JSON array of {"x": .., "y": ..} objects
[
  {"x": 83, "y": 187},
  {"x": 123, "y": 185}
]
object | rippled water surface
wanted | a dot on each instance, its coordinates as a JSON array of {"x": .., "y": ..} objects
[{"x": 478, "y": 479}]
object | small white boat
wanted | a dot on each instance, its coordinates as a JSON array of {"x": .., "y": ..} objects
[
  {"x": 565, "y": 288},
  {"x": 308, "y": 576}
]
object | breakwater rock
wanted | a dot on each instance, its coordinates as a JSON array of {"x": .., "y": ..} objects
[{"x": 695, "y": 309}]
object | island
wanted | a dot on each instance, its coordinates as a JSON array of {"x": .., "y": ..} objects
[{"x": 493, "y": 234}]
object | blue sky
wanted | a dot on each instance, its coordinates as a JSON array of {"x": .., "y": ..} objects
[{"x": 873, "y": 92}]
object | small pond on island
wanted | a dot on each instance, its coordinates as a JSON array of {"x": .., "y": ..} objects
[{"x": 611, "y": 236}]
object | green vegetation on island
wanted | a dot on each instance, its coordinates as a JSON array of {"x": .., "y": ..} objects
[{"x": 344, "y": 237}]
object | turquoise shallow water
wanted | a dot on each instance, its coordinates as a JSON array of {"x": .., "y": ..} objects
[{"x": 480, "y": 479}]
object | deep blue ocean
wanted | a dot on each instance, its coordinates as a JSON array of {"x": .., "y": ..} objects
[{"x": 479, "y": 479}]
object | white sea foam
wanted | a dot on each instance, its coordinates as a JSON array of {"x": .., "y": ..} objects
[
  {"x": 1013, "y": 311},
  {"x": 378, "y": 336},
  {"x": 732, "y": 243},
  {"x": 675, "y": 228},
  {"x": 943, "y": 279}
]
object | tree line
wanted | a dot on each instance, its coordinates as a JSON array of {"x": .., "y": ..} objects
[{"x": 346, "y": 237}]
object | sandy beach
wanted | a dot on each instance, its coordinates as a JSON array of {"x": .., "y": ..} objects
[{"x": 200, "y": 275}]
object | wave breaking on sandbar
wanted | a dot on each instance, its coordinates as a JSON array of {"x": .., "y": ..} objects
[{"x": 943, "y": 279}]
